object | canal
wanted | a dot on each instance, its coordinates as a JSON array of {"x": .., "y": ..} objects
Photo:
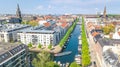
[{"x": 72, "y": 45}]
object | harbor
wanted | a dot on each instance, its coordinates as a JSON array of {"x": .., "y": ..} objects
[{"x": 71, "y": 45}]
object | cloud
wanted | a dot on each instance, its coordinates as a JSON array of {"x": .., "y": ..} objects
[
  {"x": 81, "y": 2},
  {"x": 50, "y": 7},
  {"x": 40, "y": 7},
  {"x": 74, "y": 6}
]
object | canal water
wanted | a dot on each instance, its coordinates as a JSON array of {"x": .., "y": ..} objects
[{"x": 72, "y": 45}]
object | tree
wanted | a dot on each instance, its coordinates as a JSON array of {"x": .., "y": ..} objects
[
  {"x": 33, "y": 23},
  {"x": 50, "y": 46},
  {"x": 30, "y": 45},
  {"x": 85, "y": 47},
  {"x": 39, "y": 46},
  {"x": 66, "y": 36},
  {"x": 108, "y": 28},
  {"x": 43, "y": 59},
  {"x": 52, "y": 64},
  {"x": 74, "y": 64}
]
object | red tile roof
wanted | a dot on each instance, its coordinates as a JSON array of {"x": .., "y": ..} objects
[
  {"x": 94, "y": 34},
  {"x": 64, "y": 25},
  {"x": 98, "y": 27},
  {"x": 62, "y": 21},
  {"x": 47, "y": 24},
  {"x": 89, "y": 24}
]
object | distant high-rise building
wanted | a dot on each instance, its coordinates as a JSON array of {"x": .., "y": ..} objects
[{"x": 18, "y": 12}]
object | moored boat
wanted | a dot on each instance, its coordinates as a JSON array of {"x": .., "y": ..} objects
[{"x": 63, "y": 53}]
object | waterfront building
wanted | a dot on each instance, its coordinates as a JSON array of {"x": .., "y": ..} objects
[
  {"x": 43, "y": 37},
  {"x": 48, "y": 32},
  {"x": 8, "y": 32},
  {"x": 13, "y": 55}
]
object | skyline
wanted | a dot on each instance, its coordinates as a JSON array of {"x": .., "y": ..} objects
[{"x": 59, "y": 6}]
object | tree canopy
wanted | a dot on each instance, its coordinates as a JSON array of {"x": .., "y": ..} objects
[
  {"x": 74, "y": 64},
  {"x": 85, "y": 47},
  {"x": 30, "y": 45},
  {"x": 108, "y": 28},
  {"x": 50, "y": 46},
  {"x": 39, "y": 45},
  {"x": 44, "y": 59},
  {"x": 69, "y": 31}
]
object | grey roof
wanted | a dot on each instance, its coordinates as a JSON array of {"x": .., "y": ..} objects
[
  {"x": 108, "y": 42},
  {"x": 7, "y": 50},
  {"x": 111, "y": 58},
  {"x": 39, "y": 31},
  {"x": 12, "y": 27}
]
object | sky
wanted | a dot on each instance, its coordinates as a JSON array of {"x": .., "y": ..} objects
[{"x": 59, "y": 6}]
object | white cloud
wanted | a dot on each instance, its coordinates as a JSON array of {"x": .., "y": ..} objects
[
  {"x": 81, "y": 2},
  {"x": 49, "y": 7},
  {"x": 40, "y": 7}
]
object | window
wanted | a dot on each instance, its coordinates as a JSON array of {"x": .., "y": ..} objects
[{"x": 3, "y": 56}]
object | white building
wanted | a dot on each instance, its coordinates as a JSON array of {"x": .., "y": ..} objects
[
  {"x": 94, "y": 20},
  {"x": 43, "y": 37},
  {"x": 110, "y": 52},
  {"x": 116, "y": 34},
  {"x": 8, "y": 32}
]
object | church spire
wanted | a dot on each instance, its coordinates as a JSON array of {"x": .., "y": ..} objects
[
  {"x": 18, "y": 12},
  {"x": 104, "y": 14}
]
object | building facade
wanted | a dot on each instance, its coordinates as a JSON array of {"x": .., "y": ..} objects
[
  {"x": 8, "y": 32},
  {"x": 43, "y": 37}
]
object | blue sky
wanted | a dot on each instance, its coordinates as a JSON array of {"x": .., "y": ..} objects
[{"x": 60, "y": 6}]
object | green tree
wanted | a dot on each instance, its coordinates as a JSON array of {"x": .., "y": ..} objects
[
  {"x": 50, "y": 46},
  {"x": 39, "y": 45},
  {"x": 108, "y": 28},
  {"x": 85, "y": 47},
  {"x": 33, "y": 23},
  {"x": 66, "y": 36},
  {"x": 74, "y": 64},
  {"x": 30, "y": 45},
  {"x": 43, "y": 59},
  {"x": 52, "y": 64}
]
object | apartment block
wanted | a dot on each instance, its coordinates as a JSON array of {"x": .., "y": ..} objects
[{"x": 13, "y": 55}]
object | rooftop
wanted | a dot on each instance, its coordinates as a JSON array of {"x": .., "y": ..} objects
[
  {"x": 108, "y": 42},
  {"x": 38, "y": 31},
  {"x": 111, "y": 58},
  {"x": 7, "y": 46},
  {"x": 7, "y": 50},
  {"x": 11, "y": 27}
]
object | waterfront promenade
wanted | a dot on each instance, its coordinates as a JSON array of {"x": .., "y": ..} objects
[{"x": 55, "y": 49}]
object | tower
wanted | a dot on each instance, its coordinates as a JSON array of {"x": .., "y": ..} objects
[
  {"x": 18, "y": 12},
  {"x": 104, "y": 14}
]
